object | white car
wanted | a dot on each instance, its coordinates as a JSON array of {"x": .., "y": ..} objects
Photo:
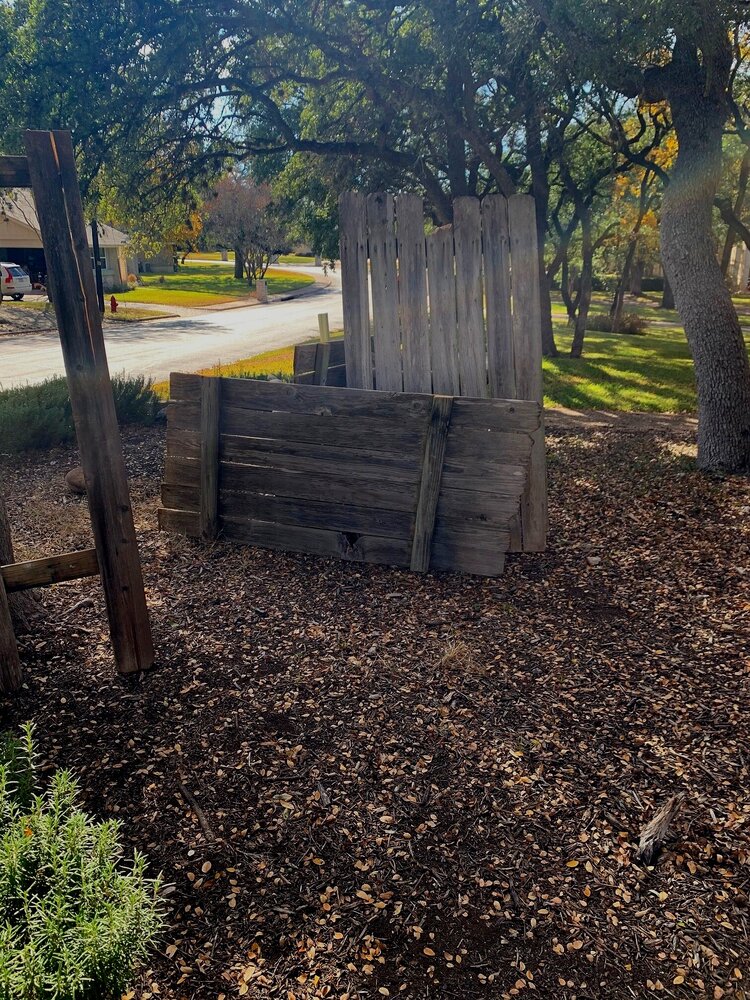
[{"x": 14, "y": 281}]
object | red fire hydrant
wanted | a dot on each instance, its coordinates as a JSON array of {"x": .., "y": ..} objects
[{"x": 113, "y": 304}]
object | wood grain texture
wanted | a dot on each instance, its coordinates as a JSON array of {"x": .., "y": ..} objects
[
  {"x": 472, "y": 348},
  {"x": 10, "y": 662},
  {"x": 527, "y": 352},
  {"x": 412, "y": 294},
  {"x": 210, "y": 457},
  {"x": 50, "y": 569},
  {"x": 429, "y": 486},
  {"x": 496, "y": 256},
  {"x": 355, "y": 289},
  {"x": 383, "y": 277},
  {"x": 441, "y": 279},
  {"x": 52, "y": 169},
  {"x": 305, "y": 356},
  {"x": 14, "y": 172}
]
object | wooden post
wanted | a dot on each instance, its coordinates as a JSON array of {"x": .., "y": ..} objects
[
  {"x": 261, "y": 290},
  {"x": 71, "y": 278},
  {"x": 10, "y": 662},
  {"x": 429, "y": 486},
  {"x": 323, "y": 352},
  {"x": 209, "y": 487},
  {"x": 527, "y": 354},
  {"x": 355, "y": 289}
]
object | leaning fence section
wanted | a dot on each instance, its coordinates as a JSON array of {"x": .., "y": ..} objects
[
  {"x": 455, "y": 312},
  {"x": 429, "y": 482}
]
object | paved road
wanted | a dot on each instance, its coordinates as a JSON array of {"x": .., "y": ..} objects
[{"x": 186, "y": 343}]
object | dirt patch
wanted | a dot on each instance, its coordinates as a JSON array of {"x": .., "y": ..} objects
[
  {"x": 426, "y": 786},
  {"x": 16, "y": 319}
]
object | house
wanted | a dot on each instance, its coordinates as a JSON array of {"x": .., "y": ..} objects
[{"x": 21, "y": 241}]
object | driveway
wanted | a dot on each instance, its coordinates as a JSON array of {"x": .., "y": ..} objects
[{"x": 187, "y": 343}]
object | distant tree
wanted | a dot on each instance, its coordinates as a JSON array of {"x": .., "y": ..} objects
[{"x": 240, "y": 216}]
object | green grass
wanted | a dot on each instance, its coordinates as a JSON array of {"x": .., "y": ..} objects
[
  {"x": 207, "y": 285},
  {"x": 295, "y": 258},
  {"x": 123, "y": 314}
]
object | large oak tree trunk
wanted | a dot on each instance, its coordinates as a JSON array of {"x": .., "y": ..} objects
[
  {"x": 239, "y": 263},
  {"x": 540, "y": 192},
  {"x": 689, "y": 255}
]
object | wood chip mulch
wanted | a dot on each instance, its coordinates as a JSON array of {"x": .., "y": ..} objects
[{"x": 425, "y": 786}]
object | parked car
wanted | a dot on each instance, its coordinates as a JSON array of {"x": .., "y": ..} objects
[{"x": 13, "y": 281}]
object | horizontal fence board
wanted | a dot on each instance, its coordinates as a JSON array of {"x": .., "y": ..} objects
[
  {"x": 336, "y": 377},
  {"x": 337, "y": 472},
  {"x": 351, "y": 547},
  {"x": 305, "y": 355},
  {"x": 50, "y": 569}
]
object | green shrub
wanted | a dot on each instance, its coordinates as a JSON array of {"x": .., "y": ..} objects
[
  {"x": 74, "y": 917},
  {"x": 630, "y": 323},
  {"x": 39, "y": 416}
]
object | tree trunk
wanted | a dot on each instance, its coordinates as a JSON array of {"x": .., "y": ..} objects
[
  {"x": 697, "y": 99},
  {"x": 636, "y": 278},
  {"x": 23, "y": 608},
  {"x": 239, "y": 263},
  {"x": 565, "y": 286},
  {"x": 540, "y": 192},
  {"x": 731, "y": 237},
  {"x": 587, "y": 275},
  {"x": 618, "y": 302},
  {"x": 667, "y": 295}
]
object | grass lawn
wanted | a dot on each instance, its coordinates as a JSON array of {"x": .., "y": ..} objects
[
  {"x": 123, "y": 314},
  {"x": 295, "y": 258},
  {"x": 207, "y": 285}
]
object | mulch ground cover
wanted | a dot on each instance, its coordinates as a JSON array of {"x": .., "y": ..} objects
[{"x": 425, "y": 786}]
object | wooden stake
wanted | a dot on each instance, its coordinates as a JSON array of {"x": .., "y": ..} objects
[
  {"x": 323, "y": 352},
  {"x": 10, "y": 663},
  {"x": 53, "y": 179}
]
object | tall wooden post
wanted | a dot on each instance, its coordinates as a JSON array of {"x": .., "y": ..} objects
[{"x": 63, "y": 230}]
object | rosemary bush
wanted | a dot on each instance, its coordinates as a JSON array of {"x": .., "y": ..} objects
[{"x": 74, "y": 917}]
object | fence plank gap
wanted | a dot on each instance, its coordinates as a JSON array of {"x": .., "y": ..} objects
[
  {"x": 412, "y": 293},
  {"x": 355, "y": 289},
  {"x": 209, "y": 475},
  {"x": 386, "y": 331},
  {"x": 429, "y": 487}
]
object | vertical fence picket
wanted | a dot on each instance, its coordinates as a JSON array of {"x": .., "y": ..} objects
[
  {"x": 210, "y": 438},
  {"x": 443, "y": 329},
  {"x": 496, "y": 253},
  {"x": 354, "y": 289},
  {"x": 412, "y": 293},
  {"x": 472, "y": 351},
  {"x": 382, "y": 241},
  {"x": 527, "y": 352}
]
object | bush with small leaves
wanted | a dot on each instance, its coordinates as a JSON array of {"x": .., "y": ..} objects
[
  {"x": 75, "y": 917},
  {"x": 629, "y": 323}
]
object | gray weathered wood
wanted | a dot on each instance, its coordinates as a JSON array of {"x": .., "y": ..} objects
[
  {"x": 412, "y": 294},
  {"x": 322, "y": 350},
  {"x": 305, "y": 356},
  {"x": 52, "y": 169},
  {"x": 14, "y": 172},
  {"x": 429, "y": 487},
  {"x": 10, "y": 662},
  {"x": 49, "y": 569},
  {"x": 355, "y": 289},
  {"x": 527, "y": 352},
  {"x": 441, "y": 279},
  {"x": 472, "y": 349},
  {"x": 383, "y": 276},
  {"x": 209, "y": 432},
  {"x": 496, "y": 255}
]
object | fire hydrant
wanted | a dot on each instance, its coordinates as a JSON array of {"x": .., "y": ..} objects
[{"x": 113, "y": 304}]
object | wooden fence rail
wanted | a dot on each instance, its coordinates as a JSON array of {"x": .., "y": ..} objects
[{"x": 406, "y": 479}]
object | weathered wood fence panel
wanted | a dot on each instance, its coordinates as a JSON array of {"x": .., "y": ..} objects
[
  {"x": 456, "y": 312},
  {"x": 405, "y": 479}
]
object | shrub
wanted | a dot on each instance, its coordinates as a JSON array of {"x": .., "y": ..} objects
[
  {"x": 652, "y": 284},
  {"x": 630, "y": 323},
  {"x": 40, "y": 416},
  {"x": 75, "y": 918}
]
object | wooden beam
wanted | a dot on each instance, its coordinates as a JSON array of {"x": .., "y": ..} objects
[
  {"x": 355, "y": 289},
  {"x": 209, "y": 482},
  {"x": 49, "y": 569},
  {"x": 322, "y": 351},
  {"x": 429, "y": 488},
  {"x": 14, "y": 172},
  {"x": 10, "y": 663},
  {"x": 71, "y": 278}
]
